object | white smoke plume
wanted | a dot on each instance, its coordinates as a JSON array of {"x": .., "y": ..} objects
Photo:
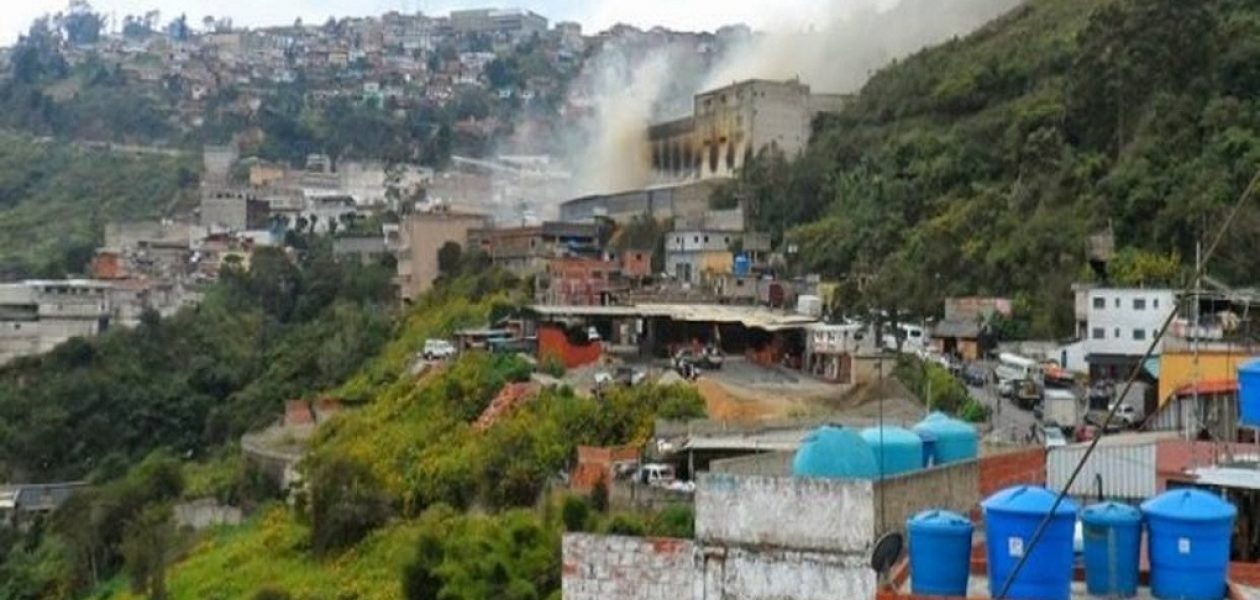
[{"x": 630, "y": 85}]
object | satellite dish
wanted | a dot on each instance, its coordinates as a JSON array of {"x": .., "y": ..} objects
[{"x": 887, "y": 552}]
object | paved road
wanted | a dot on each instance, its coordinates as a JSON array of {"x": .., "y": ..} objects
[{"x": 1010, "y": 423}]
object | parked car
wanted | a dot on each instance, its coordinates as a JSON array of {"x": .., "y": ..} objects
[
  {"x": 975, "y": 376},
  {"x": 439, "y": 350},
  {"x": 1053, "y": 436},
  {"x": 708, "y": 358},
  {"x": 1127, "y": 415},
  {"x": 622, "y": 376},
  {"x": 656, "y": 474}
]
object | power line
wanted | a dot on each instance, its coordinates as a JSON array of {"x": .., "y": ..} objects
[{"x": 1133, "y": 375}]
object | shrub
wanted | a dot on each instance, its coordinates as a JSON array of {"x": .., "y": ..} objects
[
  {"x": 553, "y": 366},
  {"x": 599, "y": 496},
  {"x": 676, "y": 520},
  {"x": 575, "y": 513},
  {"x": 270, "y": 593},
  {"x": 346, "y": 504},
  {"x": 626, "y": 525}
]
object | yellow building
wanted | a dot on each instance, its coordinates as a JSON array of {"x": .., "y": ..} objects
[{"x": 1215, "y": 363}]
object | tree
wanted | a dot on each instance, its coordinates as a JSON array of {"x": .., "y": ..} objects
[
  {"x": 178, "y": 29},
  {"x": 575, "y": 512},
  {"x": 347, "y": 503},
  {"x": 450, "y": 258},
  {"x": 81, "y": 25},
  {"x": 148, "y": 541}
]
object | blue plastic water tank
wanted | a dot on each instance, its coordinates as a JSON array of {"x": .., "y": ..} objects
[
  {"x": 1011, "y": 516},
  {"x": 1113, "y": 543},
  {"x": 940, "y": 553},
  {"x": 834, "y": 452},
  {"x": 1249, "y": 394},
  {"x": 742, "y": 264},
  {"x": 1188, "y": 542},
  {"x": 955, "y": 440},
  {"x": 897, "y": 450}
]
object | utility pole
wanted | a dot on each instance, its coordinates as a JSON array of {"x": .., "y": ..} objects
[{"x": 1194, "y": 342}]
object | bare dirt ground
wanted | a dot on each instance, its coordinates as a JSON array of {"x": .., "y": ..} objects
[{"x": 746, "y": 392}]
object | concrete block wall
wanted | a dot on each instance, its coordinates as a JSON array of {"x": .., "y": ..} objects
[
  {"x": 628, "y": 568},
  {"x": 954, "y": 487},
  {"x": 785, "y": 512},
  {"x": 773, "y": 464},
  {"x": 765, "y": 574}
]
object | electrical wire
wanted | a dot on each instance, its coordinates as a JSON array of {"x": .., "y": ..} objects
[{"x": 1133, "y": 375}]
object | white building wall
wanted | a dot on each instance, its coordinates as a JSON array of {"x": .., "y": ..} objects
[
  {"x": 796, "y": 513},
  {"x": 1126, "y": 470},
  {"x": 1114, "y": 315},
  {"x": 757, "y": 538}
]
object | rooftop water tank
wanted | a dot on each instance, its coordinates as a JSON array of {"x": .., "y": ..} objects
[
  {"x": 954, "y": 440},
  {"x": 1113, "y": 543},
  {"x": 1188, "y": 543},
  {"x": 1249, "y": 394},
  {"x": 1011, "y": 517},
  {"x": 940, "y": 553},
  {"x": 834, "y": 452},
  {"x": 897, "y": 450}
]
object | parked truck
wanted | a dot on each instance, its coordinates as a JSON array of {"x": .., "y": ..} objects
[{"x": 1060, "y": 407}]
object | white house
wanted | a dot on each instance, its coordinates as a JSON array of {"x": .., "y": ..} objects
[{"x": 1116, "y": 325}]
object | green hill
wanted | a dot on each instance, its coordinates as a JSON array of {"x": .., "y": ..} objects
[
  {"x": 981, "y": 165},
  {"x": 55, "y": 199}
]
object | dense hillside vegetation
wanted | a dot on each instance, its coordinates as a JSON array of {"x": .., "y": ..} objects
[
  {"x": 193, "y": 382},
  {"x": 981, "y": 166},
  {"x": 56, "y": 198}
]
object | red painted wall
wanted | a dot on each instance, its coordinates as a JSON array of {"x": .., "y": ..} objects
[{"x": 553, "y": 342}]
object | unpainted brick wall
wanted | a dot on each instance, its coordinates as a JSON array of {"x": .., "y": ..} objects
[
  {"x": 628, "y": 568},
  {"x": 1000, "y": 471}
]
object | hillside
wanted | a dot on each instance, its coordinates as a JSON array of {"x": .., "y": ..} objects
[
  {"x": 981, "y": 165},
  {"x": 55, "y": 199}
]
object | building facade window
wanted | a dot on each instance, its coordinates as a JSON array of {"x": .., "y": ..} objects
[
  {"x": 1139, "y": 335},
  {"x": 1117, "y": 302},
  {"x": 1099, "y": 333},
  {"x": 1155, "y": 302},
  {"x": 1117, "y": 333},
  {"x": 1100, "y": 303},
  {"x": 1139, "y": 304}
]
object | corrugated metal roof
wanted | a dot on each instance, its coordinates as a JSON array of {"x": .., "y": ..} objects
[
  {"x": 1229, "y": 477},
  {"x": 1205, "y": 388},
  {"x": 749, "y": 316}
]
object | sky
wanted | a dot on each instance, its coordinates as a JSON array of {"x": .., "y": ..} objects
[{"x": 595, "y": 15}]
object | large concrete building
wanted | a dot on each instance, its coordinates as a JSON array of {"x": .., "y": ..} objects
[
  {"x": 730, "y": 124},
  {"x": 36, "y": 316},
  {"x": 669, "y": 201},
  {"x": 513, "y": 22},
  {"x": 421, "y": 235}
]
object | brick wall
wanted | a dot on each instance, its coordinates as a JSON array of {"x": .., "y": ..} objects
[
  {"x": 596, "y": 463},
  {"x": 627, "y": 568},
  {"x": 1000, "y": 471}
]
